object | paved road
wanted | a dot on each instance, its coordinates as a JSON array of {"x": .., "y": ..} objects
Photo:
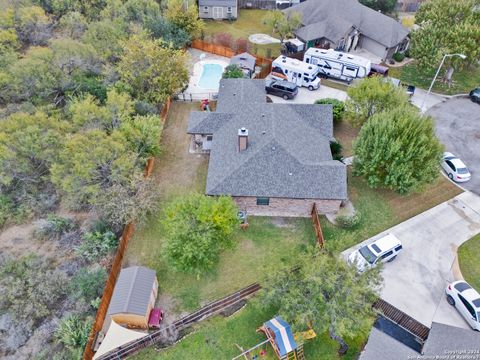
[
  {"x": 415, "y": 281},
  {"x": 458, "y": 128}
]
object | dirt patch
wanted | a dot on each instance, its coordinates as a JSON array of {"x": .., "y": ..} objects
[{"x": 18, "y": 240}]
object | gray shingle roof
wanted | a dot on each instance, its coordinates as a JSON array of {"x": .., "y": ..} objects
[
  {"x": 132, "y": 291},
  {"x": 443, "y": 338},
  {"x": 383, "y": 346},
  {"x": 244, "y": 60},
  {"x": 288, "y": 152},
  {"x": 217, "y": 3},
  {"x": 333, "y": 18}
]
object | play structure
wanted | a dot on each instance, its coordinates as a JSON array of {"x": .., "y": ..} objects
[{"x": 280, "y": 337}]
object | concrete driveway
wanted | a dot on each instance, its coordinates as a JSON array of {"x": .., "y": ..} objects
[
  {"x": 306, "y": 96},
  {"x": 415, "y": 281},
  {"x": 457, "y": 123}
]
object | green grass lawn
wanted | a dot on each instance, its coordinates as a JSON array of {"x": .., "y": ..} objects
[
  {"x": 217, "y": 339},
  {"x": 463, "y": 80},
  {"x": 249, "y": 22},
  {"x": 468, "y": 260}
]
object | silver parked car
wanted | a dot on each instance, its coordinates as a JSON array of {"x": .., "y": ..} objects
[{"x": 455, "y": 168}]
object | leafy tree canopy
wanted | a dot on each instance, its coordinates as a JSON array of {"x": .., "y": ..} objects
[
  {"x": 153, "y": 72},
  {"x": 398, "y": 149},
  {"x": 324, "y": 292},
  {"x": 284, "y": 25},
  {"x": 233, "y": 72},
  {"x": 184, "y": 14},
  {"x": 447, "y": 27},
  {"x": 198, "y": 228},
  {"x": 385, "y": 6},
  {"x": 370, "y": 96}
]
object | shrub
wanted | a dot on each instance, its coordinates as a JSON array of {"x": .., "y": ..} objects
[
  {"x": 336, "y": 149},
  {"x": 224, "y": 39},
  {"x": 143, "y": 108},
  {"x": 87, "y": 284},
  {"x": 242, "y": 45},
  {"x": 197, "y": 228},
  {"x": 233, "y": 72},
  {"x": 54, "y": 226},
  {"x": 398, "y": 56},
  {"x": 6, "y": 208},
  {"x": 407, "y": 53},
  {"x": 338, "y": 107},
  {"x": 30, "y": 288},
  {"x": 349, "y": 222},
  {"x": 97, "y": 244},
  {"x": 73, "y": 333}
]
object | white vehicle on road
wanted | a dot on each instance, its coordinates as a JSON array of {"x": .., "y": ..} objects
[
  {"x": 295, "y": 71},
  {"x": 338, "y": 65},
  {"x": 467, "y": 301},
  {"x": 381, "y": 250},
  {"x": 455, "y": 168}
]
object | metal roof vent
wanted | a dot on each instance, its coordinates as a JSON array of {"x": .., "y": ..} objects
[
  {"x": 264, "y": 132},
  {"x": 290, "y": 173}
]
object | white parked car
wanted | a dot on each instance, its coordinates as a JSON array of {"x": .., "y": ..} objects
[
  {"x": 455, "y": 168},
  {"x": 467, "y": 301},
  {"x": 382, "y": 250}
]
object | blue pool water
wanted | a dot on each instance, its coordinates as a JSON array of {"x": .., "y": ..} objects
[{"x": 211, "y": 75}]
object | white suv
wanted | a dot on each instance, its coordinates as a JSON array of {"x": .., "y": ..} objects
[
  {"x": 467, "y": 301},
  {"x": 381, "y": 250}
]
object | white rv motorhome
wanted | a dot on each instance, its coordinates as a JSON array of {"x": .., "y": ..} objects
[
  {"x": 295, "y": 71},
  {"x": 338, "y": 65}
]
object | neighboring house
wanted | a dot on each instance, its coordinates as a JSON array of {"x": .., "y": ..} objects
[
  {"x": 273, "y": 159},
  {"x": 246, "y": 62},
  {"x": 443, "y": 342},
  {"x": 408, "y": 5},
  {"x": 347, "y": 25},
  {"x": 133, "y": 297},
  {"x": 218, "y": 9}
]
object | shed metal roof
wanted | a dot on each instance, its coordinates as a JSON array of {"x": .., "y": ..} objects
[{"x": 132, "y": 291}]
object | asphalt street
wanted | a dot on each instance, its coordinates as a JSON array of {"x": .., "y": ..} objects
[{"x": 457, "y": 123}]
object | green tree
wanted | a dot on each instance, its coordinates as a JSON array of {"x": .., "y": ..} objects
[
  {"x": 447, "y": 27},
  {"x": 385, "y": 6},
  {"x": 198, "y": 228},
  {"x": 88, "y": 283},
  {"x": 73, "y": 25},
  {"x": 171, "y": 34},
  {"x": 106, "y": 38},
  {"x": 184, "y": 14},
  {"x": 398, "y": 149},
  {"x": 153, "y": 72},
  {"x": 143, "y": 135},
  {"x": 370, "y": 96},
  {"x": 338, "y": 107},
  {"x": 326, "y": 293},
  {"x": 29, "y": 145},
  {"x": 282, "y": 24},
  {"x": 233, "y": 72},
  {"x": 33, "y": 26},
  {"x": 90, "y": 163}
]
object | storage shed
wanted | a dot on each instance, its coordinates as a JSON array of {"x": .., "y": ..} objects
[
  {"x": 246, "y": 62},
  {"x": 134, "y": 297}
]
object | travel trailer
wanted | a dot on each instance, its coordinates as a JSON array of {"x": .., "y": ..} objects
[
  {"x": 295, "y": 71},
  {"x": 337, "y": 64}
]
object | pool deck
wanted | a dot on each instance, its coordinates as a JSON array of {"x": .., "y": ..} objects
[{"x": 197, "y": 60}]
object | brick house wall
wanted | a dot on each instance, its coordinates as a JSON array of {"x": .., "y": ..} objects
[{"x": 286, "y": 207}]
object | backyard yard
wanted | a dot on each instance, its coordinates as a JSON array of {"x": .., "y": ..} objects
[
  {"x": 259, "y": 249},
  {"x": 249, "y": 22}
]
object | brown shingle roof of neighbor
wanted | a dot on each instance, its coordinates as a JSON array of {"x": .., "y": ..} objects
[
  {"x": 288, "y": 153},
  {"x": 333, "y": 18},
  {"x": 132, "y": 291}
]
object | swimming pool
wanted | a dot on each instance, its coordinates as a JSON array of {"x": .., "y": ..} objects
[{"x": 211, "y": 75}]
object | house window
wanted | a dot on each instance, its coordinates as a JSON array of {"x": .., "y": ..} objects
[
  {"x": 229, "y": 9},
  {"x": 263, "y": 201},
  {"x": 209, "y": 137},
  {"x": 205, "y": 9}
]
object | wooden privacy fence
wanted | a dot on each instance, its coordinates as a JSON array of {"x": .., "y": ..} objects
[
  {"x": 205, "y": 312},
  {"x": 264, "y": 63},
  {"x": 257, "y": 4},
  {"x": 317, "y": 227},
  {"x": 117, "y": 262}
]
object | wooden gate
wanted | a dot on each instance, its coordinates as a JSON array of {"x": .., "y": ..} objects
[{"x": 317, "y": 227}]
